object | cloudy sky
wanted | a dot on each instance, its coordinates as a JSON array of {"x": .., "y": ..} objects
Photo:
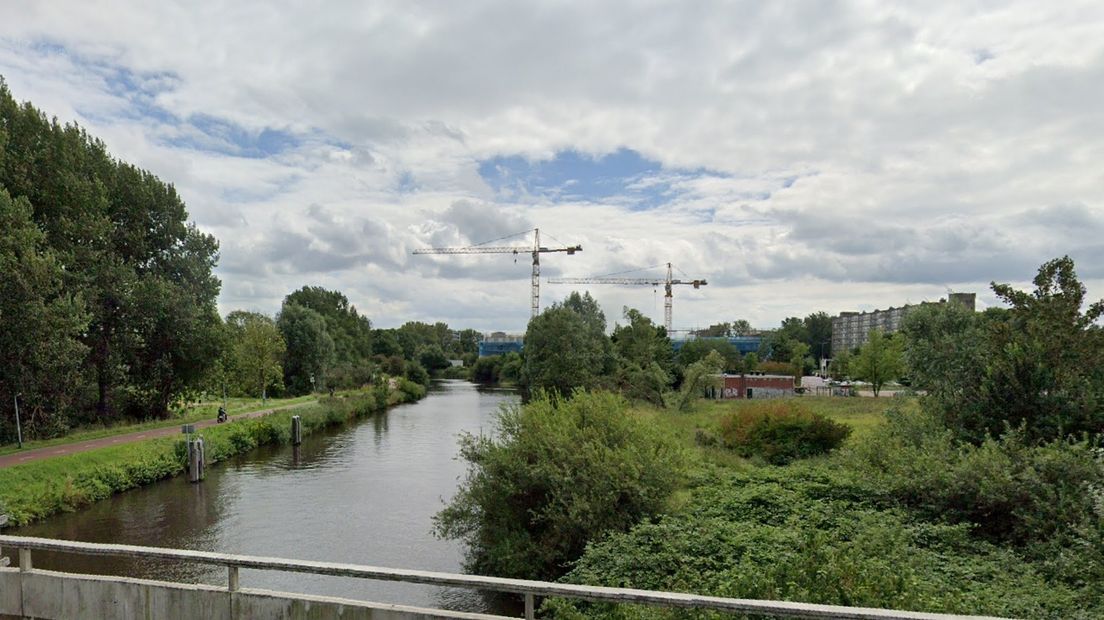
[{"x": 800, "y": 156}]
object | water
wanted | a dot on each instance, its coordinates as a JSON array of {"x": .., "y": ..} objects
[{"x": 363, "y": 494}]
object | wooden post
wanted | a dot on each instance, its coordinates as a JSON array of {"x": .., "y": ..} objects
[
  {"x": 195, "y": 460},
  {"x": 296, "y": 430}
]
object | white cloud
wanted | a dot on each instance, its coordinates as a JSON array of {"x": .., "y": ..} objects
[{"x": 860, "y": 154}]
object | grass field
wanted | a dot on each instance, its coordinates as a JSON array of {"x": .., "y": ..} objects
[{"x": 192, "y": 413}]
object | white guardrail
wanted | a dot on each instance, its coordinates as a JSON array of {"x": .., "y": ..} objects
[{"x": 528, "y": 589}]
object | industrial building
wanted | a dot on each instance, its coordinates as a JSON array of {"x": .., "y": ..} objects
[
  {"x": 851, "y": 330},
  {"x": 501, "y": 343},
  {"x": 755, "y": 386}
]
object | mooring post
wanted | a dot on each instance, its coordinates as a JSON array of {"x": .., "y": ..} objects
[
  {"x": 296, "y": 430},
  {"x": 195, "y": 460}
]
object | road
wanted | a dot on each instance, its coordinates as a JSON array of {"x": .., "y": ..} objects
[{"x": 49, "y": 452}]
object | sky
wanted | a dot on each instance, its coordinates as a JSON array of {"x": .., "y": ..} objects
[{"x": 799, "y": 156}]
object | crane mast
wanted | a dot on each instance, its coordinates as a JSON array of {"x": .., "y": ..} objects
[
  {"x": 668, "y": 283},
  {"x": 536, "y": 251}
]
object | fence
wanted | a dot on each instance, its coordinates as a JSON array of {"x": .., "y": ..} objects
[{"x": 530, "y": 590}]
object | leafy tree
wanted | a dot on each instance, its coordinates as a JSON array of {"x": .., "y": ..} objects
[
  {"x": 879, "y": 361},
  {"x": 794, "y": 329},
  {"x": 751, "y": 361},
  {"x": 258, "y": 349},
  {"x": 562, "y": 353},
  {"x": 559, "y": 473},
  {"x": 351, "y": 332},
  {"x": 310, "y": 349},
  {"x": 694, "y": 350},
  {"x": 644, "y": 358},
  {"x": 433, "y": 358},
  {"x": 740, "y": 327},
  {"x": 40, "y": 325},
  {"x": 798, "y": 356},
  {"x": 818, "y": 327},
  {"x": 512, "y": 365},
  {"x": 840, "y": 368},
  {"x": 699, "y": 376}
]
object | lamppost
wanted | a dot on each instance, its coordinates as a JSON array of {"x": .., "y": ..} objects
[{"x": 18, "y": 428}]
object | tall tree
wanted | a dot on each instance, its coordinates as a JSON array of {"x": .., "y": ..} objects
[
  {"x": 309, "y": 355},
  {"x": 644, "y": 356},
  {"x": 818, "y": 329},
  {"x": 563, "y": 351},
  {"x": 258, "y": 351},
  {"x": 40, "y": 325},
  {"x": 879, "y": 361}
]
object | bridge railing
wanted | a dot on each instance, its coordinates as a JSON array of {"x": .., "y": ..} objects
[{"x": 527, "y": 588}]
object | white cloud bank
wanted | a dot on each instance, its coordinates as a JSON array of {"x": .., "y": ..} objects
[{"x": 861, "y": 154}]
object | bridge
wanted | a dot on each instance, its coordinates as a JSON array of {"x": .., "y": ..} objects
[{"x": 27, "y": 592}]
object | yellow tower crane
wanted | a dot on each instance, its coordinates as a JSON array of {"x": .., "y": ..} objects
[
  {"x": 536, "y": 251},
  {"x": 667, "y": 283}
]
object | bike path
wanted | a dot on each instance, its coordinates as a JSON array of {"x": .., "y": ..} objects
[{"x": 49, "y": 452}]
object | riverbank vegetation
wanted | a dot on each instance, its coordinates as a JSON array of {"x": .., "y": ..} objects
[
  {"x": 954, "y": 501},
  {"x": 38, "y": 489},
  {"x": 107, "y": 301}
]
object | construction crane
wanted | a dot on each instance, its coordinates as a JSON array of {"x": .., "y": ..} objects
[
  {"x": 667, "y": 283},
  {"x": 536, "y": 251}
]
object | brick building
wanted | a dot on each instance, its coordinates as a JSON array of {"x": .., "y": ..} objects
[{"x": 756, "y": 386}]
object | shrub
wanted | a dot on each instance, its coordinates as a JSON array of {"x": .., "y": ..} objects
[
  {"x": 781, "y": 431},
  {"x": 558, "y": 473}
]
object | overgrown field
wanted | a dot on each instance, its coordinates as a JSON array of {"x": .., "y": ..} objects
[
  {"x": 900, "y": 517},
  {"x": 39, "y": 489}
]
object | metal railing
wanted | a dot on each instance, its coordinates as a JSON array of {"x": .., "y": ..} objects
[{"x": 528, "y": 589}]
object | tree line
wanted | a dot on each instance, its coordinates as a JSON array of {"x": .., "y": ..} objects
[{"x": 108, "y": 299}]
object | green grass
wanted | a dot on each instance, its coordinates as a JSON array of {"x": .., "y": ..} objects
[
  {"x": 35, "y": 490},
  {"x": 192, "y": 413}
]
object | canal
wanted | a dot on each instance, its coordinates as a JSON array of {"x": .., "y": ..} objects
[{"x": 363, "y": 494}]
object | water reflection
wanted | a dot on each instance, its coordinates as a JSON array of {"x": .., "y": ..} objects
[{"x": 363, "y": 494}]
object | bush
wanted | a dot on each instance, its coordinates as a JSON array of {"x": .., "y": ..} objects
[
  {"x": 558, "y": 473},
  {"x": 781, "y": 431}
]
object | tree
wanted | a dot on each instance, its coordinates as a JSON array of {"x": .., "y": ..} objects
[
  {"x": 433, "y": 358},
  {"x": 879, "y": 361},
  {"x": 818, "y": 327},
  {"x": 798, "y": 356},
  {"x": 740, "y": 327},
  {"x": 40, "y": 325},
  {"x": 751, "y": 361},
  {"x": 644, "y": 358},
  {"x": 840, "y": 368},
  {"x": 351, "y": 332},
  {"x": 258, "y": 349},
  {"x": 699, "y": 376},
  {"x": 694, "y": 350},
  {"x": 563, "y": 352},
  {"x": 309, "y": 353},
  {"x": 558, "y": 473}
]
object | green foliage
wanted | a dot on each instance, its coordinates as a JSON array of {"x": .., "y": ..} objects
[
  {"x": 1037, "y": 366},
  {"x": 699, "y": 376},
  {"x": 257, "y": 350},
  {"x": 810, "y": 534},
  {"x": 310, "y": 349},
  {"x": 879, "y": 361},
  {"x": 1009, "y": 490},
  {"x": 698, "y": 348},
  {"x": 36, "y": 490},
  {"x": 644, "y": 359},
  {"x": 40, "y": 326},
  {"x": 137, "y": 275},
  {"x": 781, "y": 431},
  {"x": 840, "y": 368},
  {"x": 566, "y": 347},
  {"x": 558, "y": 473}
]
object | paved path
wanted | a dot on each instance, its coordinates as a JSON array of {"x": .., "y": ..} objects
[{"x": 26, "y": 456}]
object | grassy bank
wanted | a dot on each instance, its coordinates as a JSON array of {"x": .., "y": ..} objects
[
  {"x": 191, "y": 413},
  {"x": 37, "y": 490}
]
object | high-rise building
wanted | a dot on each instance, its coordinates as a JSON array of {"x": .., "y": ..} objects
[{"x": 852, "y": 329}]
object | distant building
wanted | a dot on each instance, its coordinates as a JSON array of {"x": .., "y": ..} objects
[
  {"x": 755, "y": 386},
  {"x": 743, "y": 344},
  {"x": 501, "y": 343},
  {"x": 852, "y": 329}
]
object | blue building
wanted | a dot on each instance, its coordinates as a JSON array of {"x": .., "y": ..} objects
[
  {"x": 743, "y": 344},
  {"x": 498, "y": 343}
]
